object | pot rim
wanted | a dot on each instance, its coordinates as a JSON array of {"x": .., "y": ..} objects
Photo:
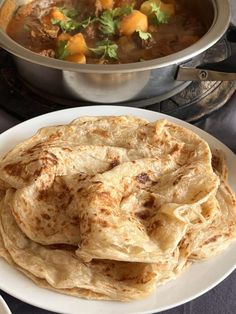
[{"x": 219, "y": 26}]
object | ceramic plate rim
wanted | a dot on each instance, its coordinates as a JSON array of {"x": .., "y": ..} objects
[
  {"x": 4, "y": 306},
  {"x": 51, "y": 119}
]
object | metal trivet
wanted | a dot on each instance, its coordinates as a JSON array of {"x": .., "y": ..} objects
[{"x": 196, "y": 101}]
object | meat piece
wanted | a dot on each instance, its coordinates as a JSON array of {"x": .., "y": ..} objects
[
  {"x": 121, "y": 3},
  {"x": 91, "y": 32},
  {"x": 48, "y": 28},
  {"x": 141, "y": 43},
  {"x": 24, "y": 10},
  {"x": 47, "y": 53},
  {"x": 51, "y": 32}
]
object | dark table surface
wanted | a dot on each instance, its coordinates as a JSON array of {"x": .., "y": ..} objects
[{"x": 221, "y": 299}]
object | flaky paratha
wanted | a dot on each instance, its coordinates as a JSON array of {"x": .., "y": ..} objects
[
  {"x": 112, "y": 210},
  {"x": 61, "y": 269},
  {"x": 72, "y": 193},
  {"x": 214, "y": 228},
  {"x": 111, "y": 207}
]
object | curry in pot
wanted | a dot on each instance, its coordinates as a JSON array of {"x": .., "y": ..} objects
[{"x": 105, "y": 31}]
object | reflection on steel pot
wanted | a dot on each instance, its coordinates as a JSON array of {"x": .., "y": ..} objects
[
  {"x": 121, "y": 82},
  {"x": 90, "y": 86}
]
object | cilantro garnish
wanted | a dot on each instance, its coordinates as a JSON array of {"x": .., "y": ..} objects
[
  {"x": 109, "y": 19},
  {"x": 71, "y": 13},
  {"x": 160, "y": 17},
  {"x": 108, "y": 24},
  {"x": 69, "y": 25},
  {"x": 66, "y": 26},
  {"x": 105, "y": 49},
  {"x": 26, "y": 27},
  {"x": 62, "y": 51},
  {"x": 144, "y": 35},
  {"x": 121, "y": 11}
]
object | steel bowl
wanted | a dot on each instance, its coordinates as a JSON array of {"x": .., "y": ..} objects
[{"x": 121, "y": 82}]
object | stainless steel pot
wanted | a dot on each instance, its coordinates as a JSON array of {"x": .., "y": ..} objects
[{"x": 159, "y": 78}]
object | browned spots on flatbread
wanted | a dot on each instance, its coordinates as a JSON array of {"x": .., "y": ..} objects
[
  {"x": 142, "y": 178},
  {"x": 105, "y": 211},
  {"x": 15, "y": 169},
  {"x": 155, "y": 225},
  {"x": 104, "y": 224},
  {"x": 49, "y": 160},
  {"x": 38, "y": 221},
  {"x": 175, "y": 149},
  {"x": 149, "y": 202},
  {"x": 196, "y": 196},
  {"x": 115, "y": 162},
  {"x": 144, "y": 214},
  {"x": 106, "y": 199},
  {"x": 22, "y": 169},
  {"x": 45, "y": 216},
  {"x": 55, "y": 136},
  {"x": 67, "y": 149},
  {"x": 215, "y": 161},
  {"x": 101, "y": 132},
  {"x": 213, "y": 239},
  {"x": 177, "y": 180},
  {"x": 148, "y": 276},
  {"x": 58, "y": 194},
  {"x": 142, "y": 135},
  {"x": 32, "y": 149},
  {"x": 75, "y": 221},
  {"x": 62, "y": 246}
]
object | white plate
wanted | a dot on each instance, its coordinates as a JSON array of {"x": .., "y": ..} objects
[
  {"x": 198, "y": 279},
  {"x": 4, "y": 309}
]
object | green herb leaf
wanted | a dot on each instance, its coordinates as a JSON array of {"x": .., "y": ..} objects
[
  {"x": 124, "y": 10},
  {"x": 108, "y": 24},
  {"x": 160, "y": 17},
  {"x": 66, "y": 26},
  {"x": 70, "y": 25},
  {"x": 62, "y": 51},
  {"x": 85, "y": 23},
  {"x": 26, "y": 27},
  {"x": 55, "y": 21},
  {"x": 71, "y": 13},
  {"x": 106, "y": 49},
  {"x": 109, "y": 19},
  {"x": 144, "y": 35}
]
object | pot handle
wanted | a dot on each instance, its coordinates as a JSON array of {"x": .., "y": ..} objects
[{"x": 220, "y": 71}]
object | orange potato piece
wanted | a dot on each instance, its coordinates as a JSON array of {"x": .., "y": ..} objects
[
  {"x": 64, "y": 37},
  {"x": 107, "y": 4},
  {"x": 168, "y": 8},
  {"x": 77, "y": 44},
  {"x": 146, "y": 8},
  {"x": 78, "y": 58},
  {"x": 133, "y": 22},
  {"x": 57, "y": 14}
]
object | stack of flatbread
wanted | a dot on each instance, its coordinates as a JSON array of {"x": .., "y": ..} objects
[{"x": 111, "y": 207}]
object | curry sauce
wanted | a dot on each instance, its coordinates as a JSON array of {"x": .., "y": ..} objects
[{"x": 105, "y": 31}]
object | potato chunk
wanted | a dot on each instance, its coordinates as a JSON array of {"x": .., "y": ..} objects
[
  {"x": 56, "y": 14},
  {"x": 133, "y": 22},
  {"x": 168, "y": 8},
  {"x": 76, "y": 44},
  {"x": 78, "y": 58}
]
